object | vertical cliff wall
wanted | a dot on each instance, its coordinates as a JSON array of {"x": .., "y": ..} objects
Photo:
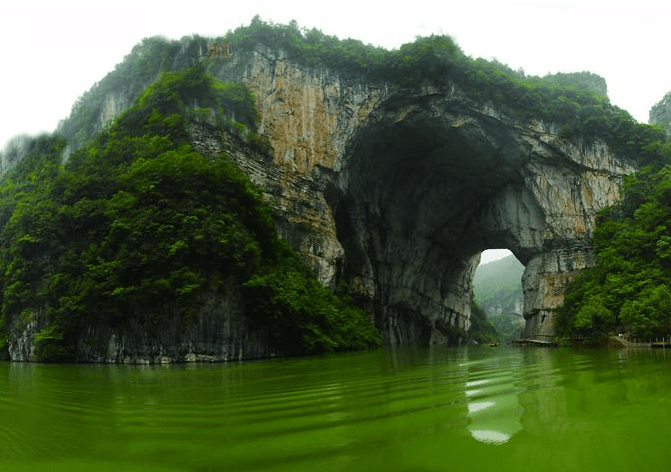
[
  {"x": 408, "y": 186},
  {"x": 394, "y": 192}
]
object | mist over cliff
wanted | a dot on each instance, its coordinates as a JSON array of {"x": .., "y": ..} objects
[
  {"x": 660, "y": 113},
  {"x": 497, "y": 286}
]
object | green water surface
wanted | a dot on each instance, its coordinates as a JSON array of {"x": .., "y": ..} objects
[{"x": 388, "y": 410}]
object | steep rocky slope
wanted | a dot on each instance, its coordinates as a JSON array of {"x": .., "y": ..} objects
[
  {"x": 393, "y": 189},
  {"x": 413, "y": 183}
]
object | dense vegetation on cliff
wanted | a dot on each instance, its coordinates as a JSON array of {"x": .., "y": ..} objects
[
  {"x": 123, "y": 227},
  {"x": 137, "y": 226},
  {"x": 482, "y": 330},
  {"x": 576, "y": 102},
  {"x": 629, "y": 287},
  {"x": 126, "y": 82}
]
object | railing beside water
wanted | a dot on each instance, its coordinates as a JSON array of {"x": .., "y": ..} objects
[
  {"x": 549, "y": 340},
  {"x": 663, "y": 343},
  {"x": 536, "y": 340}
]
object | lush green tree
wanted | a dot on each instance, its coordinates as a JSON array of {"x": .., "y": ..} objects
[
  {"x": 71, "y": 233},
  {"x": 303, "y": 315},
  {"x": 649, "y": 314},
  {"x": 628, "y": 287},
  {"x": 593, "y": 317},
  {"x": 138, "y": 228}
]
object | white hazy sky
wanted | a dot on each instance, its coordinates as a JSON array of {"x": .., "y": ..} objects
[
  {"x": 493, "y": 254},
  {"x": 53, "y": 51}
]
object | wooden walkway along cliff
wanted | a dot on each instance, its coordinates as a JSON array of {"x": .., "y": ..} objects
[
  {"x": 613, "y": 341},
  {"x": 540, "y": 341},
  {"x": 664, "y": 343}
]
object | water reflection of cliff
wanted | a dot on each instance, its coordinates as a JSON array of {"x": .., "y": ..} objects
[
  {"x": 494, "y": 411},
  {"x": 544, "y": 396}
]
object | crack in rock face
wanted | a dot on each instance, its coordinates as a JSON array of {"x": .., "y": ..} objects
[{"x": 428, "y": 183}]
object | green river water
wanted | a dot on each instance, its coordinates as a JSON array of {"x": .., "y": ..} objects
[{"x": 476, "y": 408}]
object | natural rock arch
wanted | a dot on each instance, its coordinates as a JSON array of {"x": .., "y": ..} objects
[
  {"x": 395, "y": 192},
  {"x": 430, "y": 181},
  {"x": 402, "y": 189}
]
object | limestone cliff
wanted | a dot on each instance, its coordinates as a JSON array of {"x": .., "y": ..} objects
[
  {"x": 210, "y": 338},
  {"x": 395, "y": 190}
]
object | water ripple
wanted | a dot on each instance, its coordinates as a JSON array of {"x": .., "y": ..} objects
[{"x": 396, "y": 410}]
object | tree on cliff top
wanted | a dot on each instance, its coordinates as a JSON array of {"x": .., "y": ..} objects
[
  {"x": 577, "y": 102},
  {"x": 573, "y": 101}
]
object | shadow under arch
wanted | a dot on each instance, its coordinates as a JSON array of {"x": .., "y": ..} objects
[{"x": 427, "y": 184}]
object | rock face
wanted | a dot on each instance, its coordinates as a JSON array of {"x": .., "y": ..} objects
[
  {"x": 394, "y": 192},
  {"x": 211, "y": 338},
  {"x": 408, "y": 186}
]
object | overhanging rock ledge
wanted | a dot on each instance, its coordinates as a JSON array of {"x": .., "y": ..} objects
[{"x": 396, "y": 192}]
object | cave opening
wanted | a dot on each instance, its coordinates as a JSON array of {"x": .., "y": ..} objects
[
  {"x": 430, "y": 179},
  {"x": 425, "y": 193}
]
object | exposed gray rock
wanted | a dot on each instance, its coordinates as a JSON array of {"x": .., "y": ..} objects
[
  {"x": 395, "y": 193},
  {"x": 219, "y": 333},
  {"x": 419, "y": 182}
]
